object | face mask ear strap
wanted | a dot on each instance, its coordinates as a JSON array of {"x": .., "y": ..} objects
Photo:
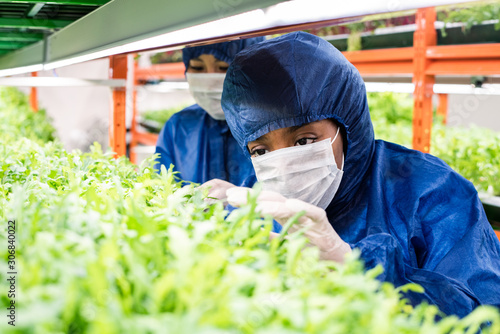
[{"x": 338, "y": 130}]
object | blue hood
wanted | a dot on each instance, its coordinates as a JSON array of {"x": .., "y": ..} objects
[
  {"x": 223, "y": 51},
  {"x": 404, "y": 210},
  {"x": 295, "y": 79}
]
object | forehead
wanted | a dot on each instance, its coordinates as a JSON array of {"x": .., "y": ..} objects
[{"x": 206, "y": 57}]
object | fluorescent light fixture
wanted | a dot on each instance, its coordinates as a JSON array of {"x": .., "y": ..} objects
[
  {"x": 58, "y": 82},
  {"x": 79, "y": 59},
  {"x": 200, "y": 32},
  {"x": 21, "y": 70},
  {"x": 167, "y": 86},
  {"x": 380, "y": 87},
  {"x": 486, "y": 89},
  {"x": 283, "y": 14},
  {"x": 145, "y": 149}
]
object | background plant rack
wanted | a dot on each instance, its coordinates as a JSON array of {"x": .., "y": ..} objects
[
  {"x": 423, "y": 61},
  {"x": 141, "y": 75},
  {"x": 402, "y": 36}
]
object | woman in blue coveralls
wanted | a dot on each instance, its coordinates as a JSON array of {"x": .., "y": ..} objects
[
  {"x": 299, "y": 109},
  {"x": 197, "y": 140}
]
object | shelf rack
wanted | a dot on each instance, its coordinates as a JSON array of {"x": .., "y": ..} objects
[
  {"x": 423, "y": 61},
  {"x": 142, "y": 74},
  {"x": 163, "y": 26}
]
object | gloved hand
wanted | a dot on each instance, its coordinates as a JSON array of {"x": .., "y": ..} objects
[
  {"x": 319, "y": 230},
  {"x": 217, "y": 190}
]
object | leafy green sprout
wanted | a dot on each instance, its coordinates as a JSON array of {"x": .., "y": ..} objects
[{"x": 470, "y": 15}]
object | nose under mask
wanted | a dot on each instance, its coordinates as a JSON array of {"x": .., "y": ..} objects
[
  {"x": 206, "y": 89},
  {"x": 307, "y": 172}
]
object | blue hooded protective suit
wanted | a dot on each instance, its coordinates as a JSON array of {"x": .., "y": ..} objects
[
  {"x": 200, "y": 147},
  {"x": 405, "y": 210}
]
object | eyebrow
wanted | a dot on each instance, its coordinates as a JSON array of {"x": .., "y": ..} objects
[
  {"x": 264, "y": 139},
  {"x": 294, "y": 128}
]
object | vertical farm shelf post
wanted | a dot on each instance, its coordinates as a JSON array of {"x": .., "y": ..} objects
[
  {"x": 424, "y": 36},
  {"x": 133, "y": 127},
  {"x": 117, "y": 130},
  {"x": 442, "y": 108},
  {"x": 33, "y": 95}
]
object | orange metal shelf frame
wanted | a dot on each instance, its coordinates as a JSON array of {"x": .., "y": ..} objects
[
  {"x": 146, "y": 138},
  {"x": 34, "y": 95},
  {"x": 384, "y": 61},
  {"x": 482, "y": 59},
  {"x": 467, "y": 51},
  {"x": 423, "y": 62},
  {"x": 159, "y": 71},
  {"x": 117, "y": 131},
  {"x": 464, "y": 67},
  {"x": 467, "y": 59}
]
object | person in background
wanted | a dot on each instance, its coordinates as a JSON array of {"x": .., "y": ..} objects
[
  {"x": 197, "y": 140},
  {"x": 299, "y": 109}
]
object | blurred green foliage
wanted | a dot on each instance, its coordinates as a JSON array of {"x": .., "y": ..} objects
[
  {"x": 471, "y": 14},
  {"x": 173, "y": 56},
  {"x": 17, "y": 118},
  {"x": 161, "y": 116},
  {"x": 473, "y": 152}
]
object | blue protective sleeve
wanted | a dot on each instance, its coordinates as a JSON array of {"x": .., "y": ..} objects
[
  {"x": 445, "y": 244},
  {"x": 450, "y": 295},
  {"x": 164, "y": 146}
]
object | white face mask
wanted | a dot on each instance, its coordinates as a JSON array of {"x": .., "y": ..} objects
[
  {"x": 206, "y": 89},
  {"x": 308, "y": 172}
]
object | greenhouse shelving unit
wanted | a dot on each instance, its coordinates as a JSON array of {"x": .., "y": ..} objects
[
  {"x": 51, "y": 44},
  {"x": 170, "y": 71},
  {"x": 423, "y": 62}
]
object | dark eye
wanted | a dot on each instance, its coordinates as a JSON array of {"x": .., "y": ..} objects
[
  {"x": 258, "y": 152},
  {"x": 304, "y": 141},
  {"x": 223, "y": 69},
  {"x": 197, "y": 68}
]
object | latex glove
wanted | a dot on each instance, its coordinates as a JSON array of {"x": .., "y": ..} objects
[
  {"x": 319, "y": 230},
  {"x": 217, "y": 190}
]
